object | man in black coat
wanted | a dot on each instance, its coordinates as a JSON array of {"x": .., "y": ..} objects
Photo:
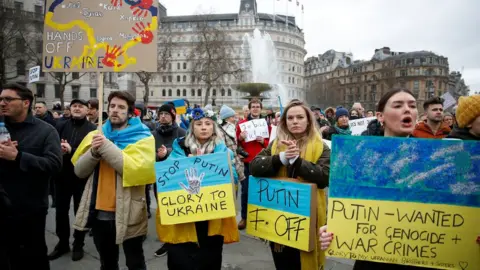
[
  {"x": 27, "y": 162},
  {"x": 67, "y": 184}
]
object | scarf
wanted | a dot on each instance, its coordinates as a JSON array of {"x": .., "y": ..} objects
[
  {"x": 193, "y": 144},
  {"x": 134, "y": 132},
  {"x": 230, "y": 130},
  {"x": 343, "y": 131},
  {"x": 311, "y": 153}
]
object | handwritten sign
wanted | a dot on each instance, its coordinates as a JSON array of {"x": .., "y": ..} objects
[
  {"x": 359, "y": 125},
  {"x": 195, "y": 189},
  {"x": 449, "y": 100},
  {"x": 255, "y": 128},
  {"x": 34, "y": 74},
  {"x": 100, "y": 35},
  {"x": 415, "y": 203},
  {"x": 282, "y": 211}
]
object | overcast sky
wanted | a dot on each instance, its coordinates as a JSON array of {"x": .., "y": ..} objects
[{"x": 446, "y": 27}]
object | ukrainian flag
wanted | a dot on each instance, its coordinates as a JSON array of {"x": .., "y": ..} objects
[
  {"x": 138, "y": 150},
  {"x": 180, "y": 106}
]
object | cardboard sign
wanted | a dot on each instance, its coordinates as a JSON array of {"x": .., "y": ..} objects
[
  {"x": 255, "y": 128},
  {"x": 359, "y": 125},
  {"x": 405, "y": 201},
  {"x": 195, "y": 189},
  {"x": 283, "y": 211},
  {"x": 34, "y": 74},
  {"x": 100, "y": 35}
]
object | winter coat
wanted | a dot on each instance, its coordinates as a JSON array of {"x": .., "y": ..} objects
[
  {"x": 165, "y": 135},
  {"x": 422, "y": 130},
  {"x": 462, "y": 134},
  {"x": 48, "y": 118},
  {"x": 374, "y": 128},
  {"x": 26, "y": 179},
  {"x": 130, "y": 208},
  {"x": 253, "y": 147}
]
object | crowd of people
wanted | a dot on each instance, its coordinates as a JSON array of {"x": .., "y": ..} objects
[{"x": 108, "y": 172}]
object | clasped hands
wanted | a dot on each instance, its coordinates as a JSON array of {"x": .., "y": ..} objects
[{"x": 292, "y": 152}]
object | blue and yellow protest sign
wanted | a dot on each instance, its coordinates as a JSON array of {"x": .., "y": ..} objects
[
  {"x": 405, "y": 201},
  {"x": 282, "y": 211},
  {"x": 195, "y": 189}
]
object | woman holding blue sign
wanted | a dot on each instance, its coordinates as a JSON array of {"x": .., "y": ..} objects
[
  {"x": 199, "y": 245},
  {"x": 297, "y": 152}
]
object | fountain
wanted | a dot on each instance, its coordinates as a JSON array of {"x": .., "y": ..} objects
[{"x": 261, "y": 63}]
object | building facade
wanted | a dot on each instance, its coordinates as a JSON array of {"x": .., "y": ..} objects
[
  {"x": 176, "y": 80},
  {"x": 426, "y": 74}
]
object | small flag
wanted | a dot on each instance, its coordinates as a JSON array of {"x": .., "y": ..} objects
[
  {"x": 302, "y": 7},
  {"x": 298, "y": 3}
]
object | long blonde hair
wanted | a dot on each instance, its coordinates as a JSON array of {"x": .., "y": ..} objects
[{"x": 311, "y": 132}]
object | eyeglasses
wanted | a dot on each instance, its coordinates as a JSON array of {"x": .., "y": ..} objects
[{"x": 9, "y": 99}]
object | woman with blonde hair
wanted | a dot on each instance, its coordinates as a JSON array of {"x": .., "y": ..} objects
[{"x": 297, "y": 152}]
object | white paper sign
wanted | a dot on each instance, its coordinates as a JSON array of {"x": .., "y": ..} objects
[
  {"x": 34, "y": 74},
  {"x": 255, "y": 128},
  {"x": 449, "y": 100},
  {"x": 359, "y": 125},
  {"x": 273, "y": 133}
]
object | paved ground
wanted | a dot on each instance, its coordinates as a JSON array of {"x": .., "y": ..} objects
[{"x": 248, "y": 254}]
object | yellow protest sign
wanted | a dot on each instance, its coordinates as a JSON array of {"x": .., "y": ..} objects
[
  {"x": 282, "y": 211},
  {"x": 421, "y": 208},
  {"x": 195, "y": 189}
]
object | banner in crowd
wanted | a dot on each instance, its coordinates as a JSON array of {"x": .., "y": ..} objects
[
  {"x": 34, "y": 74},
  {"x": 405, "y": 201},
  {"x": 195, "y": 189},
  {"x": 180, "y": 106},
  {"x": 255, "y": 128},
  {"x": 100, "y": 35},
  {"x": 282, "y": 211},
  {"x": 359, "y": 125},
  {"x": 449, "y": 100}
]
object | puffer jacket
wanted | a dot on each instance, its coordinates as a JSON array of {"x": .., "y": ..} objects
[{"x": 131, "y": 208}]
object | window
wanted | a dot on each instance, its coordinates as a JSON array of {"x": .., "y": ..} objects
[
  {"x": 214, "y": 92},
  {"x": 199, "y": 92},
  {"x": 75, "y": 75},
  {"x": 21, "y": 67},
  {"x": 416, "y": 85},
  {"x": 184, "y": 92},
  {"x": 178, "y": 78},
  {"x": 75, "y": 91},
  {"x": 178, "y": 65},
  {"x": 229, "y": 92},
  {"x": 57, "y": 90},
  {"x": 93, "y": 92},
  {"x": 38, "y": 9},
  {"x": 40, "y": 90},
  {"x": 18, "y": 6},
  {"x": 403, "y": 72},
  {"x": 163, "y": 92},
  {"x": 184, "y": 65},
  {"x": 170, "y": 78},
  {"x": 184, "y": 78},
  {"x": 222, "y": 92},
  {"x": 20, "y": 45},
  {"x": 170, "y": 66},
  {"x": 193, "y": 79},
  {"x": 164, "y": 79},
  {"x": 192, "y": 92},
  {"x": 169, "y": 92}
]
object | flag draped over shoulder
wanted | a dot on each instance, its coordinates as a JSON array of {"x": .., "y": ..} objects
[{"x": 138, "y": 150}]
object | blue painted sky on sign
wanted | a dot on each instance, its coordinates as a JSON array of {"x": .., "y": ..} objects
[
  {"x": 171, "y": 172},
  {"x": 406, "y": 169}
]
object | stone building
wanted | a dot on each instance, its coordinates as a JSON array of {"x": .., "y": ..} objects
[
  {"x": 424, "y": 73},
  {"x": 176, "y": 80}
]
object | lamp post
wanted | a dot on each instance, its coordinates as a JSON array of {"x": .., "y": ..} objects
[
  {"x": 431, "y": 91},
  {"x": 374, "y": 94}
]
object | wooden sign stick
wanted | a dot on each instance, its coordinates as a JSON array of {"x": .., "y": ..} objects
[{"x": 100, "y": 100}]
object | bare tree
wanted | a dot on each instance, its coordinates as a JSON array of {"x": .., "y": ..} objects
[
  {"x": 62, "y": 80},
  {"x": 164, "y": 57},
  {"x": 210, "y": 57}
]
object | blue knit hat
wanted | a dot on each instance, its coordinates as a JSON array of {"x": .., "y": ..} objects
[
  {"x": 341, "y": 112},
  {"x": 226, "y": 112}
]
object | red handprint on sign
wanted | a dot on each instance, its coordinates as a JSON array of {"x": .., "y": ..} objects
[
  {"x": 145, "y": 34},
  {"x": 141, "y": 9},
  {"x": 111, "y": 56},
  {"x": 116, "y": 3}
]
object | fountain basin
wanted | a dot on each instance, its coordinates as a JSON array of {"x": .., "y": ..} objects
[{"x": 254, "y": 89}]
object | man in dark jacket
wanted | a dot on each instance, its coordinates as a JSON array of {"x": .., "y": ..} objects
[
  {"x": 41, "y": 112},
  {"x": 68, "y": 185},
  {"x": 165, "y": 133},
  {"x": 27, "y": 162},
  {"x": 374, "y": 128}
]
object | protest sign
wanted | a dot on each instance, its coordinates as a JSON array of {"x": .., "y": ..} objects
[
  {"x": 449, "y": 100},
  {"x": 195, "y": 188},
  {"x": 34, "y": 74},
  {"x": 100, "y": 35},
  {"x": 255, "y": 128},
  {"x": 283, "y": 211},
  {"x": 359, "y": 125},
  {"x": 415, "y": 203}
]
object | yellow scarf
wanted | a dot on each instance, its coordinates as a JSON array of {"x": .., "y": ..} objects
[{"x": 313, "y": 151}]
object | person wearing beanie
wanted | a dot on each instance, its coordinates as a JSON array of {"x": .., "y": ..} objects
[
  {"x": 165, "y": 133},
  {"x": 468, "y": 119},
  {"x": 226, "y": 112},
  {"x": 228, "y": 127},
  {"x": 340, "y": 127}
]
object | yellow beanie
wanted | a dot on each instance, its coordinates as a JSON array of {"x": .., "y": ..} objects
[{"x": 468, "y": 109}]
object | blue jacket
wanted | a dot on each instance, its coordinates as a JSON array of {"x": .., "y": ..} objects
[{"x": 179, "y": 150}]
